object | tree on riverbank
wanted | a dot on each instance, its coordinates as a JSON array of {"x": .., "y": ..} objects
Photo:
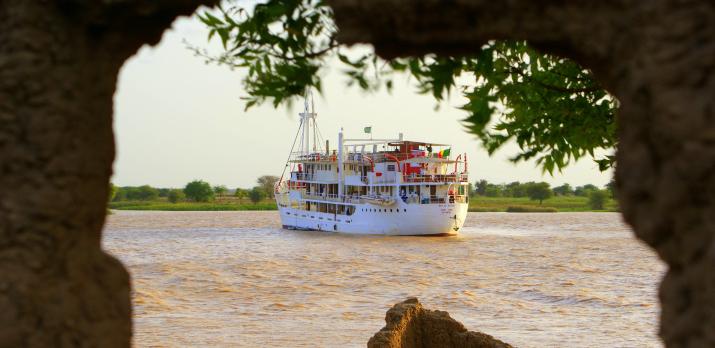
[
  {"x": 563, "y": 190},
  {"x": 199, "y": 191},
  {"x": 220, "y": 190},
  {"x": 539, "y": 191},
  {"x": 267, "y": 182},
  {"x": 257, "y": 194},
  {"x": 597, "y": 199}
]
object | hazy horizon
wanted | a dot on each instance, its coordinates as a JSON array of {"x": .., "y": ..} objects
[{"x": 178, "y": 119}]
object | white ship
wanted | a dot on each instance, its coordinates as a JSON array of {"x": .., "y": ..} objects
[{"x": 371, "y": 186}]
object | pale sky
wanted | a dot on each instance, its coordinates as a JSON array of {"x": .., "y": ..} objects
[{"x": 178, "y": 119}]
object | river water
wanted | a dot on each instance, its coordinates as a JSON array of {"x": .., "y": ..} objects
[{"x": 238, "y": 279}]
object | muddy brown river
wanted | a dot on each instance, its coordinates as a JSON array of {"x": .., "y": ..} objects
[{"x": 237, "y": 279}]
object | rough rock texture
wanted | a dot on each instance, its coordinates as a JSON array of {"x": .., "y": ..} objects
[
  {"x": 658, "y": 58},
  {"x": 411, "y": 326},
  {"x": 58, "y": 66}
]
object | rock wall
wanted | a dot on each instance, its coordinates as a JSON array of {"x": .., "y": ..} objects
[
  {"x": 658, "y": 58},
  {"x": 58, "y": 68},
  {"x": 409, "y": 325}
]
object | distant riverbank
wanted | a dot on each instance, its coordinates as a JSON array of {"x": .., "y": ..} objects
[
  {"x": 476, "y": 204},
  {"x": 524, "y": 204},
  {"x": 191, "y": 206}
]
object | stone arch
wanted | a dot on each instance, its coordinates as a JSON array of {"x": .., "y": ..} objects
[
  {"x": 657, "y": 57},
  {"x": 58, "y": 66}
]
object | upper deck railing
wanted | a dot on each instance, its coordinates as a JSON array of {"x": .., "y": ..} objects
[{"x": 392, "y": 179}]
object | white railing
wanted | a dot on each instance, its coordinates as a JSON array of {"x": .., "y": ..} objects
[{"x": 436, "y": 178}]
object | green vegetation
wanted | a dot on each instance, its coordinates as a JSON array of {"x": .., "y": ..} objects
[
  {"x": 266, "y": 183},
  {"x": 192, "y": 206},
  {"x": 176, "y": 195},
  {"x": 553, "y": 109},
  {"x": 257, "y": 194},
  {"x": 196, "y": 195},
  {"x": 112, "y": 191},
  {"x": 527, "y": 209},
  {"x": 199, "y": 191},
  {"x": 559, "y": 203},
  {"x": 220, "y": 190},
  {"x": 520, "y": 197},
  {"x": 563, "y": 190},
  {"x": 539, "y": 191},
  {"x": 597, "y": 199}
]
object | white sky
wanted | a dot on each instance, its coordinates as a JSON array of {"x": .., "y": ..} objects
[{"x": 178, "y": 119}]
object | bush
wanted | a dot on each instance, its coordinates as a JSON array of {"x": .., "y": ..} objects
[
  {"x": 199, "y": 191},
  {"x": 257, "y": 194},
  {"x": 526, "y": 209},
  {"x": 597, "y": 199},
  {"x": 141, "y": 193},
  {"x": 175, "y": 195}
]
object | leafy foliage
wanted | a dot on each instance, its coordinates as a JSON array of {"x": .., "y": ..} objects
[
  {"x": 597, "y": 199},
  {"x": 584, "y": 190},
  {"x": 267, "y": 182},
  {"x": 220, "y": 190},
  {"x": 553, "y": 109},
  {"x": 563, "y": 190},
  {"x": 240, "y": 193},
  {"x": 257, "y": 194},
  {"x": 199, "y": 191},
  {"x": 539, "y": 191},
  {"x": 175, "y": 195}
]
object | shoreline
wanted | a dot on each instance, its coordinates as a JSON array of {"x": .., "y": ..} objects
[{"x": 476, "y": 205}]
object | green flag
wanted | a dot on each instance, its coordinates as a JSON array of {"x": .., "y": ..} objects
[
  {"x": 444, "y": 153},
  {"x": 368, "y": 130}
]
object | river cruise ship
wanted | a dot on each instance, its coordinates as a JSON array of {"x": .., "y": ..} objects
[{"x": 371, "y": 186}]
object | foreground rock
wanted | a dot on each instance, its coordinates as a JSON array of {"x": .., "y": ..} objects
[{"x": 410, "y": 325}]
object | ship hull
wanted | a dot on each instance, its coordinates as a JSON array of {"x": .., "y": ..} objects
[{"x": 399, "y": 219}]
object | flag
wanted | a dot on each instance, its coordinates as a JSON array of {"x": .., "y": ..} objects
[
  {"x": 443, "y": 153},
  {"x": 368, "y": 130}
]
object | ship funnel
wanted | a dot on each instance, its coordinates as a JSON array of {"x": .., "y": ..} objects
[{"x": 327, "y": 147}]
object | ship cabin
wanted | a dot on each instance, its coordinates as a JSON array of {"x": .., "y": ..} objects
[{"x": 381, "y": 172}]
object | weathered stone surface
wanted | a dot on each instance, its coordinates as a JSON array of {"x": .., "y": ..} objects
[
  {"x": 58, "y": 67},
  {"x": 409, "y": 325},
  {"x": 658, "y": 58}
]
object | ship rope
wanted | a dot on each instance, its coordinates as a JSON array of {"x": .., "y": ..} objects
[{"x": 291, "y": 151}]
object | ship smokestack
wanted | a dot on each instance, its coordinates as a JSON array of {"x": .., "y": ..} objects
[{"x": 327, "y": 147}]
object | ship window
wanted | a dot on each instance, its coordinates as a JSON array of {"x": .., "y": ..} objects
[
  {"x": 390, "y": 210},
  {"x": 390, "y": 167},
  {"x": 405, "y": 210}
]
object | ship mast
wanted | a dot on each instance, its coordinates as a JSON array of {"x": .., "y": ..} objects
[{"x": 307, "y": 118}]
